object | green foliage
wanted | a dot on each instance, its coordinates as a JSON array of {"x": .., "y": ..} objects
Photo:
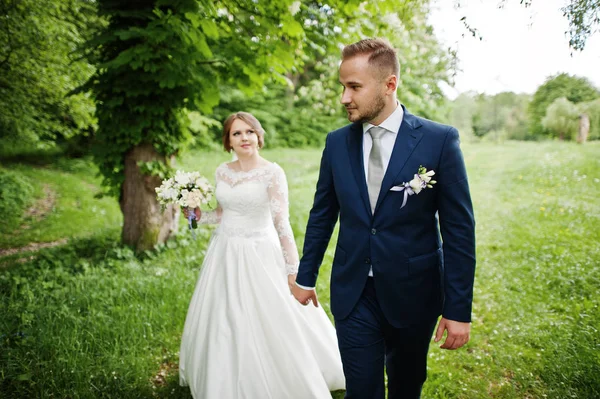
[
  {"x": 574, "y": 89},
  {"x": 461, "y": 113},
  {"x": 159, "y": 60},
  {"x": 592, "y": 110},
  {"x": 424, "y": 64},
  {"x": 203, "y": 130},
  {"x": 561, "y": 119},
  {"x": 15, "y": 195},
  {"x": 155, "y": 168},
  {"x": 306, "y": 106},
  {"x": 38, "y": 69},
  {"x": 151, "y": 65},
  {"x": 288, "y": 120},
  {"x": 498, "y": 117},
  {"x": 584, "y": 19}
]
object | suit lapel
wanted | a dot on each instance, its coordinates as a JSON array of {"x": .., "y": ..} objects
[
  {"x": 355, "y": 150},
  {"x": 409, "y": 136}
]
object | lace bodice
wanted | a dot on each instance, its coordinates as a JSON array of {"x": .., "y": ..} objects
[{"x": 251, "y": 204}]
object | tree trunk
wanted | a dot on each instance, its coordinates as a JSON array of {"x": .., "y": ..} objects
[
  {"x": 584, "y": 128},
  {"x": 144, "y": 222}
]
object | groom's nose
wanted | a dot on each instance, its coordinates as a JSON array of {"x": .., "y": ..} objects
[{"x": 346, "y": 97}]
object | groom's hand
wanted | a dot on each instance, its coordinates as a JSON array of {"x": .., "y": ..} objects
[
  {"x": 305, "y": 296},
  {"x": 458, "y": 333}
]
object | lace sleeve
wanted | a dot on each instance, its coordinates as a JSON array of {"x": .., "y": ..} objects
[
  {"x": 212, "y": 217},
  {"x": 278, "y": 197}
]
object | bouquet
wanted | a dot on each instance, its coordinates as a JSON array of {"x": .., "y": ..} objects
[{"x": 188, "y": 190}]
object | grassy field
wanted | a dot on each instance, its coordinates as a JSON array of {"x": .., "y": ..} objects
[{"x": 89, "y": 319}]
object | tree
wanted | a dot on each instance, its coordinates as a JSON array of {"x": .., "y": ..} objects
[
  {"x": 424, "y": 64},
  {"x": 561, "y": 119},
  {"x": 584, "y": 19},
  {"x": 300, "y": 112},
  {"x": 461, "y": 113},
  {"x": 38, "y": 70},
  {"x": 574, "y": 89},
  {"x": 501, "y": 116},
  {"x": 157, "y": 60},
  {"x": 592, "y": 110}
]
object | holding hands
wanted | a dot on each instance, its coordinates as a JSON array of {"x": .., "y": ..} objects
[{"x": 303, "y": 296}]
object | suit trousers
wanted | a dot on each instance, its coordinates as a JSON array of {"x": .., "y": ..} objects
[{"x": 368, "y": 342}]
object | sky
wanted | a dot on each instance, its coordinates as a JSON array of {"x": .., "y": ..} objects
[{"x": 520, "y": 46}]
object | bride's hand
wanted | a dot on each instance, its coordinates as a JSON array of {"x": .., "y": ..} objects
[
  {"x": 197, "y": 212},
  {"x": 291, "y": 281}
]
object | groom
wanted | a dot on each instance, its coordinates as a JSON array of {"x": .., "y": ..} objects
[{"x": 405, "y": 252}]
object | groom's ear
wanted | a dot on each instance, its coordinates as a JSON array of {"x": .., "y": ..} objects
[{"x": 392, "y": 84}]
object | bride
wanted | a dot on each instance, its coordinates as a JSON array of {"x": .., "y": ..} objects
[{"x": 245, "y": 335}]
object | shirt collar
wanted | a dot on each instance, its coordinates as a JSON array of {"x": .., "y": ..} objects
[{"x": 391, "y": 124}]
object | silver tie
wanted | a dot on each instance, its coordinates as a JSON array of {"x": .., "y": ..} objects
[{"x": 376, "y": 170}]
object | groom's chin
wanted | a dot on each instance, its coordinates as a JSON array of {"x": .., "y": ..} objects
[{"x": 353, "y": 116}]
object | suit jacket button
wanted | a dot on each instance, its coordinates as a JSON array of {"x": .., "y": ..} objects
[
  {"x": 368, "y": 261},
  {"x": 373, "y": 231}
]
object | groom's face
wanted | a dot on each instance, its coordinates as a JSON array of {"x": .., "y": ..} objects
[{"x": 364, "y": 91}]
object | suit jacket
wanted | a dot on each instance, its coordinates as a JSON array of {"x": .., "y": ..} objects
[{"x": 423, "y": 254}]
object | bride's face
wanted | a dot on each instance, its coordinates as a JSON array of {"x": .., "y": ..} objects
[{"x": 243, "y": 138}]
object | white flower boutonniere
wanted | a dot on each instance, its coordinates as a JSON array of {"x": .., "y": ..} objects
[{"x": 421, "y": 181}]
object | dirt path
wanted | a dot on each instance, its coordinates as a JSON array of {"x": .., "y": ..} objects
[
  {"x": 34, "y": 214},
  {"x": 34, "y": 246}
]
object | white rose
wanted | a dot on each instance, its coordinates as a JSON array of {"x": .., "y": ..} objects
[
  {"x": 203, "y": 184},
  {"x": 194, "y": 198},
  {"x": 181, "y": 178},
  {"x": 416, "y": 184},
  {"x": 171, "y": 194},
  {"x": 183, "y": 200}
]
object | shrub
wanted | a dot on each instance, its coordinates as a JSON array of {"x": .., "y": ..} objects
[{"x": 15, "y": 195}]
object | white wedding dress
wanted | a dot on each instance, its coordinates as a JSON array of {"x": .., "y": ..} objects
[{"x": 245, "y": 335}]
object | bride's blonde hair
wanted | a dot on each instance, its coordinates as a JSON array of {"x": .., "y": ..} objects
[{"x": 250, "y": 120}]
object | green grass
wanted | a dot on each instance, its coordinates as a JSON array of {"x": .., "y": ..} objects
[
  {"x": 90, "y": 319},
  {"x": 63, "y": 204}
]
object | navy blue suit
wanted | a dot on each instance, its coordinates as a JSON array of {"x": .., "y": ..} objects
[{"x": 422, "y": 255}]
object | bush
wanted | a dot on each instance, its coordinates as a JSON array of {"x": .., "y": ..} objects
[{"x": 15, "y": 195}]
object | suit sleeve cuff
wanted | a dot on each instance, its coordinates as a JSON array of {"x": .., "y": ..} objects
[{"x": 304, "y": 287}]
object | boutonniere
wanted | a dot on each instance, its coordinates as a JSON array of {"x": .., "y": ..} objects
[{"x": 421, "y": 181}]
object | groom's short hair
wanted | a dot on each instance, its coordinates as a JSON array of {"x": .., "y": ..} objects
[
  {"x": 250, "y": 120},
  {"x": 381, "y": 55}
]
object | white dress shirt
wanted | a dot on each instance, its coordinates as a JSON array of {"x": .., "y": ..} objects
[{"x": 392, "y": 126}]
